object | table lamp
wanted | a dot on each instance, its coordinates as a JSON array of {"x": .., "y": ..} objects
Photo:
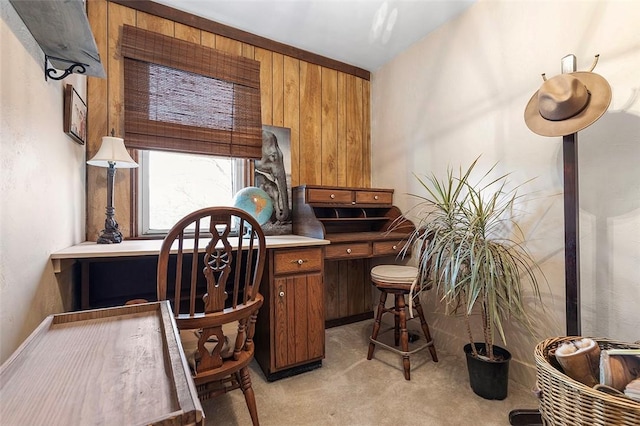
[{"x": 113, "y": 155}]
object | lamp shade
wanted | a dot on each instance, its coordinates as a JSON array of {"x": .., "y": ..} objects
[{"x": 113, "y": 151}]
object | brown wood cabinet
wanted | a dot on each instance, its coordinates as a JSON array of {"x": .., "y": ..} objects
[
  {"x": 290, "y": 328},
  {"x": 360, "y": 223}
]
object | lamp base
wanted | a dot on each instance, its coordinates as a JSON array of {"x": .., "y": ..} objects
[
  {"x": 110, "y": 234},
  {"x": 110, "y": 237}
]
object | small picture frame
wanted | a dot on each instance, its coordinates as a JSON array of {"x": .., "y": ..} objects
[{"x": 75, "y": 115}]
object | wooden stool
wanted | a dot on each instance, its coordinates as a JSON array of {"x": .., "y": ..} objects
[{"x": 397, "y": 280}]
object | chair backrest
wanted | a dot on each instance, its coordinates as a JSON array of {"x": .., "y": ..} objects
[{"x": 210, "y": 268}]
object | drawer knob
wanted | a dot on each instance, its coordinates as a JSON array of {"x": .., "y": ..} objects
[
  {"x": 349, "y": 251},
  {"x": 281, "y": 294},
  {"x": 375, "y": 197},
  {"x": 299, "y": 261},
  {"x": 395, "y": 247},
  {"x": 332, "y": 196}
]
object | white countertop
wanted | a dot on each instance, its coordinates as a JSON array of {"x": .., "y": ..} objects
[{"x": 90, "y": 249}]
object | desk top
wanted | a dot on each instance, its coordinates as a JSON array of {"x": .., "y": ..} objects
[
  {"x": 118, "y": 366},
  {"x": 90, "y": 249}
]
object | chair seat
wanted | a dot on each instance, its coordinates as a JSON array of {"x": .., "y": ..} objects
[
  {"x": 189, "y": 339},
  {"x": 394, "y": 274}
]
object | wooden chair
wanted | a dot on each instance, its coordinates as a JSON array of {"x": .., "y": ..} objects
[
  {"x": 397, "y": 280},
  {"x": 213, "y": 275}
]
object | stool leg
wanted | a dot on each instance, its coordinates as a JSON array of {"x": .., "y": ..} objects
[
  {"x": 404, "y": 334},
  {"x": 396, "y": 320},
  {"x": 376, "y": 323},
  {"x": 425, "y": 329}
]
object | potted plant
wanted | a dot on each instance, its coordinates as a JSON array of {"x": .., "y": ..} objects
[{"x": 467, "y": 254}]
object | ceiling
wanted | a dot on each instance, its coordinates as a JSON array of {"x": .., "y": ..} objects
[{"x": 363, "y": 33}]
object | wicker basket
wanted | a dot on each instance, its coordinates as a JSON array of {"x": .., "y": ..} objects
[{"x": 565, "y": 401}]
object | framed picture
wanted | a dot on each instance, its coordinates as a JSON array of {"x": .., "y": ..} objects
[
  {"x": 272, "y": 173},
  {"x": 75, "y": 115}
]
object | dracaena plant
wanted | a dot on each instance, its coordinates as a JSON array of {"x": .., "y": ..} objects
[{"x": 467, "y": 253}]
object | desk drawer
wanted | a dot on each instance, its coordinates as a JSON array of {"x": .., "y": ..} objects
[
  {"x": 346, "y": 250},
  {"x": 373, "y": 197},
  {"x": 329, "y": 196},
  {"x": 384, "y": 248},
  {"x": 299, "y": 260}
]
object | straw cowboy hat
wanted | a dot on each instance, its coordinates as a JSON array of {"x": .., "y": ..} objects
[{"x": 567, "y": 103}]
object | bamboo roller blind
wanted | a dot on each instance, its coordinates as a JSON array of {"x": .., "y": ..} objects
[{"x": 184, "y": 97}]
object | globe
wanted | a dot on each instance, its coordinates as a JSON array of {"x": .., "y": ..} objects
[{"x": 256, "y": 202}]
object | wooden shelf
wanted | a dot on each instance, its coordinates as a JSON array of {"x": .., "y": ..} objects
[
  {"x": 62, "y": 30},
  {"x": 354, "y": 214}
]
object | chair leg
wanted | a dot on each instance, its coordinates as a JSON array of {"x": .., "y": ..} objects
[
  {"x": 249, "y": 396},
  {"x": 376, "y": 323},
  {"x": 404, "y": 334},
  {"x": 425, "y": 329}
]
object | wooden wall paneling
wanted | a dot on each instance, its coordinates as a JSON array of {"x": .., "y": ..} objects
[
  {"x": 277, "y": 89},
  {"x": 331, "y": 290},
  {"x": 155, "y": 24},
  {"x": 354, "y": 132},
  {"x": 114, "y": 103},
  {"x": 367, "y": 286},
  {"x": 123, "y": 194},
  {"x": 266, "y": 92},
  {"x": 329, "y": 126},
  {"x": 350, "y": 287},
  {"x": 296, "y": 94},
  {"x": 343, "y": 287},
  {"x": 291, "y": 105},
  {"x": 176, "y": 15},
  {"x": 97, "y": 118},
  {"x": 341, "y": 150},
  {"x": 366, "y": 133},
  {"x": 310, "y": 124},
  {"x": 187, "y": 33},
  {"x": 228, "y": 45},
  {"x": 356, "y": 286},
  {"x": 248, "y": 51},
  {"x": 208, "y": 39}
]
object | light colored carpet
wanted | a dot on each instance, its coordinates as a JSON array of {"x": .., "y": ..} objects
[{"x": 350, "y": 390}]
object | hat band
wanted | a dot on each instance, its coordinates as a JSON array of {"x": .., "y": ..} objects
[{"x": 575, "y": 113}]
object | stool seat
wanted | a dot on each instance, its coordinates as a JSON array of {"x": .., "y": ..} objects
[
  {"x": 394, "y": 274},
  {"x": 397, "y": 280}
]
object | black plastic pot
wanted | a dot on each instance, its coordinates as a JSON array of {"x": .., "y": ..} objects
[{"x": 488, "y": 379}]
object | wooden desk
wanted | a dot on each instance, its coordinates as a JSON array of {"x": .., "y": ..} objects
[
  {"x": 111, "y": 274},
  {"x": 119, "y": 366},
  {"x": 361, "y": 224},
  {"x": 290, "y": 329}
]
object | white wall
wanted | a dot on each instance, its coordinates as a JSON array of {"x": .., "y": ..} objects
[
  {"x": 461, "y": 92},
  {"x": 42, "y": 181}
]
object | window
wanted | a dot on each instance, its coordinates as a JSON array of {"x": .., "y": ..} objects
[
  {"x": 172, "y": 185},
  {"x": 185, "y": 104}
]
